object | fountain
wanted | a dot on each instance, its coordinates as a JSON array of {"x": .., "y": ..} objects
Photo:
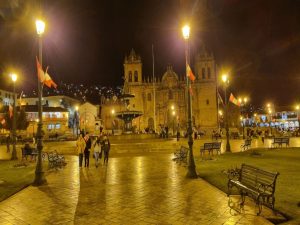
[{"x": 127, "y": 115}]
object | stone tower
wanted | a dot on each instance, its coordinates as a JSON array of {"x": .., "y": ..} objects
[
  {"x": 133, "y": 68},
  {"x": 205, "y": 114}
]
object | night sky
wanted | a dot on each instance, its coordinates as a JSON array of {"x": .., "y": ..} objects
[{"x": 86, "y": 41}]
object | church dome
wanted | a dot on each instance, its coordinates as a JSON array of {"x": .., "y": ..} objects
[{"x": 170, "y": 78}]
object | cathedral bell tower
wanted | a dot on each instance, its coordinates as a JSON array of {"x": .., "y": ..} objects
[{"x": 133, "y": 68}]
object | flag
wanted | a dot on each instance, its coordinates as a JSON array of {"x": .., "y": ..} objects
[
  {"x": 48, "y": 80},
  {"x": 10, "y": 110},
  {"x": 234, "y": 100},
  {"x": 44, "y": 77},
  {"x": 41, "y": 74},
  {"x": 189, "y": 73},
  {"x": 220, "y": 98}
]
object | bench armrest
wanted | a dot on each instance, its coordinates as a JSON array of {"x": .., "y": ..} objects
[{"x": 233, "y": 174}]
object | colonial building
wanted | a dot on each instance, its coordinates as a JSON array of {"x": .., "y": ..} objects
[{"x": 167, "y": 95}]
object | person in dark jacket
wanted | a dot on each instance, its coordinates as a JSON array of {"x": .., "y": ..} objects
[
  {"x": 88, "y": 145},
  {"x": 106, "y": 148}
]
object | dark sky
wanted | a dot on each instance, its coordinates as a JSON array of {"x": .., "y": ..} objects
[{"x": 86, "y": 41}]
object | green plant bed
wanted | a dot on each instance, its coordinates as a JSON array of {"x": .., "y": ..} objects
[
  {"x": 14, "y": 176},
  {"x": 286, "y": 161}
]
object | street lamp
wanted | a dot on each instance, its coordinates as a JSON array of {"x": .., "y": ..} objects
[
  {"x": 39, "y": 174},
  {"x": 76, "y": 119},
  {"x": 191, "y": 164},
  {"x": 243, "y": 102},
  {"x": 14, "y": 136},
  {"x": 226, "y": 82},
  {"x": 112, "y": 122}
]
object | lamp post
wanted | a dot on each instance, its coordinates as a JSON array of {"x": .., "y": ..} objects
[
  {"x": 39, "y": 174},
  {"x": 226, "y": 82},
  {"x": 243, "y": 126},
  {"x": 112, "y": 122},
  {"x": 243, "y": 102},
  {"x": 191, "y": 163},
  {"x": 173, "y": 114},
  {"x": 14, "y": 151}
]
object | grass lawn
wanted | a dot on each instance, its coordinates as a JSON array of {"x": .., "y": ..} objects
[
  {"x": 285, "y": 161},
  {"x": 15, "y": 178}
]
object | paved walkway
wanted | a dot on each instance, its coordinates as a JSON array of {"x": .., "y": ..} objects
[{"x": 148, "y": 189}]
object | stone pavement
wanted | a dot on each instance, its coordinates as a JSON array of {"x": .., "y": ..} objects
[{"x": 147, "y": 189}]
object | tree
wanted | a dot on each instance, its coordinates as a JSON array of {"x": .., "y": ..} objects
[{"x": 21, "y": 120}]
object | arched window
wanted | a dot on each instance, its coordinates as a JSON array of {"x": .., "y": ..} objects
[
  {"x": 208, "y": 73},
  {"x": 130, "y": 76},
  {"x": 135, "y": 76},
  {"x": 203, "y": 73},
  {"x": 170, "y": 94}
]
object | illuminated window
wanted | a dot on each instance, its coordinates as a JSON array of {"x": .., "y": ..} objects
[
  {"x": 57, "y": 126},
  {"x": 203, "y": 73},
  {"x": 135, "y": 76},
  {"x": 208, "y": 73}
]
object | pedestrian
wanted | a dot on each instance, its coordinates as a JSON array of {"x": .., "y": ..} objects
[
  {"x": 178, "y": 135},
  {"x": 167, "y": 132},
  {"x": 106, "y": 148},
  {"x": 88, "y": 145},
  {"x": 263, "y": 137},
  {"x": 80, "y": 144},
  {"x": 8, "y": 143},
  {"x": 97, "y": 151}
]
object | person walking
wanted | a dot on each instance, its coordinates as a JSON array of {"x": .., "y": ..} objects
[
  {"x": 263, "y": 137},
  {"x": 80, "y": 144},
  {"x": 88, "y": 145},
  {"x": 8, "y": 143},
  {"x": 97, "y": 151},
  {"x": 106, "y": 148}
]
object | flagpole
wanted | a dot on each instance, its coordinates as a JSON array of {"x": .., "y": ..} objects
[{"x": 154, "y": 96}]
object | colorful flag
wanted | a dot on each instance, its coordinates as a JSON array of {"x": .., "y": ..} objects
[
  {"x": 41, "y": 74},
  {"x": 234, "y": 100},
  {"x": 48, "y": 80},
  {"x": 189, "y": 73},
  {"x": 10, "y": 110},
  {"x": 44, "y": 77}
]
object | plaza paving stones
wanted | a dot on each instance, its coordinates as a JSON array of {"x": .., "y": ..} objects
[{"x": 149, "y": 189}]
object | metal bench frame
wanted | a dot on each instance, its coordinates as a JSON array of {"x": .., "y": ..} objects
[
  {"x": 181, "y": 155},
  {"x": 246, "y": 145},
  {"x": 210, "y": 147},
  {"x": 55, "y": 160},
  {"x": 279, "y": 141},
  {"x": 255, "y": 183}
]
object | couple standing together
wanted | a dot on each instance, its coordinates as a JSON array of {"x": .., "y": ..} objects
[{"x": 84, "y": 146}]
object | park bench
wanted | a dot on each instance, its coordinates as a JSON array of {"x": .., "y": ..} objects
[
  {"x": 235, "y": 135},
  {"x": 181, "y": 155},
  {"x": 33, "y": 153},
  {"x": 278, "y": 141},
  {"x": 246, "y": 145},
  {"x": 210, "y": 147},
  {"x": 255, "y": 183},
  {"x": 55, "y": 160}
]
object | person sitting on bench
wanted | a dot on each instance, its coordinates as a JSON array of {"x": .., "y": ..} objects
[{"x": 27, "y": 150}]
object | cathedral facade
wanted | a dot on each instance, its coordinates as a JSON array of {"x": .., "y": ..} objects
[{"x": 163, "y": 101}]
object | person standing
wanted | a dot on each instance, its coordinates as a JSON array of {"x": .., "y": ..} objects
[
  {"x": 97, "y": 151},
  {"x": 106, "y": 148},
  {"x": 8, "y": 143},
  {"x": 80, "y": 144},
  {"x": 88, "y": 145}
]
